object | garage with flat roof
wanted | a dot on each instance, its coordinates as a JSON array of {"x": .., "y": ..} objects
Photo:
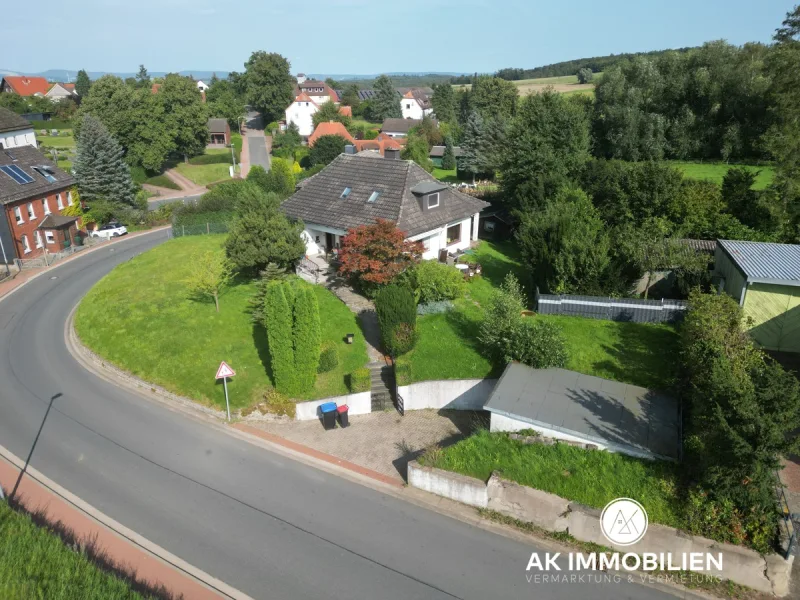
[{"x": 570, "y": 406}]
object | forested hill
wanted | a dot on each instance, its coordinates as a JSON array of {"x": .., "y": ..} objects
[{"x": 567, "y": 67}]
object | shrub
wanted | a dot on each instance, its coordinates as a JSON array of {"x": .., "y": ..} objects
[
  {"x": 278, "y": 322},
  {"x": 329, "y": 358},
  {"x": 307, "y": 337},
  {"x": 434, "y": 281},
  {"x": 278, "y": 404},
  {"x": 395, "y": 306},
  {"x": 402, "y": 372},
  {"x": 360, "y": 380},
  {"x": 540, "y": 344},
  {"x": 503, "y": 318},
  {"x": 326, "y": 149},
  {"x": 435, "y": 308}
]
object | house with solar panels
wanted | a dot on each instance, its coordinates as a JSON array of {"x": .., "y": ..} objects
[
  {"x": 764, "y": 278},
  {"x": 34, "y": 193}
]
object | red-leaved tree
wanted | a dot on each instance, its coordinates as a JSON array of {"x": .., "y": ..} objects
[{"x": 374, "y": 255}]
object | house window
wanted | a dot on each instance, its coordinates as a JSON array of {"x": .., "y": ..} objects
[
  {"x": 31, "y": 213},
  {"x": 433, "y": 200},
  {"x": 346, "y": 192},
  {"x": 453, "y": 234},
  {"x": 69, "y": 198},
  {"x": 373, "y": 197},
  {"x": 426, "y": 243},
  {"x": 46, "y": 206},
  {"x": 48, "y": 235},
  {"x": 488, "y": 226},
  {"x": 18, "y": 215},
  {"x": 38, "y": 237},
  {"x": 59, "y": 201},
  {"x": 26, "y": 246}
]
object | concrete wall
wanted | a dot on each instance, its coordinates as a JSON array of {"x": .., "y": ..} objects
[
  {"x": 360, "y": 404},
  {"x": 460, "y": 488},
  {"x": 458, "y": 394},
  {"x": 768, "y": 574}
]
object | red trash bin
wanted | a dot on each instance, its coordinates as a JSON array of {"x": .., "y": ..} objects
[{"x": 342, "y": 412}]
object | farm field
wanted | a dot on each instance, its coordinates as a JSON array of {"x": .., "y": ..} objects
[
  {"x": 716, "y": 172},
  {"x": 567, "y": 84}
]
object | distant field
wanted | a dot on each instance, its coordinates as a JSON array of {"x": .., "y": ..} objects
[
  {"x": 567, "y": 84},
  {"x": 716, "y": 171}
]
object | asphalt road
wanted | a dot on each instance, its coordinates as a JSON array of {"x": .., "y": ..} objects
[{"x": 265, "y": 524}]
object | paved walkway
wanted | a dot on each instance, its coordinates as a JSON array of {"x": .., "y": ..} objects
[
  {"x": 384, "y": 441},
  {"x": 364, "y": 308}
]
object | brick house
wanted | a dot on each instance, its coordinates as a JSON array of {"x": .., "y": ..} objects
[{"x": 33, "y": 193}]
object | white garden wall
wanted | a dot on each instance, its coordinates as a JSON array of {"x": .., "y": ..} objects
[
  {"x": 360, "y": 404},
  {"x": 457, "y": 394}
]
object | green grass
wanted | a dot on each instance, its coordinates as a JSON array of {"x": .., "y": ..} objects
[
  {"x": 716, "y": 171},
  {"x": 636, "y": 353},
  {"x": 35, "y": 563},
  {"x": 448, "y": 175},
  {"x": 51, "y": 124},
  {"x": 365, "y": 124},
  {"x": 57, "y": 141},
  {"x": 140, "y": 317},
  {"x": 65, "y": 165},
  {"x": 236, "y": 140},
  {"x": 590, "y": 477},
  {"x": 204, "y": 174},
  {"x": 162, "y": 181}
]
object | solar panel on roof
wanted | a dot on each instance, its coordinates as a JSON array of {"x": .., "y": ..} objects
[{"x": 16, "y": 174}]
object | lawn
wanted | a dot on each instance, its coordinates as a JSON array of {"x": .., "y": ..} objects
[
  {"x": 448, "y": 175},
  {"x": 140, "y": 317},
  {"x": 640, "y": 354},
  {"x": 57, "y": 141},
  {"x": 35, "y": 563},
  {"x": 365, "y": 124},
  {"x": 590, "y": 477},
  {"x": 207, "y": 168},
  {"x": 162, "y": 181},
  {"x": 716, "y": 171}
]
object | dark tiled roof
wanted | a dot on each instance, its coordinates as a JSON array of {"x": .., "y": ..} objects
[
  {"x": 427, "y": 187},
  {"x": 53, "y": 221},
  {"x": 319, "y": 200},
  {"x": 217, "y": 125},
  {"x": 26, "y": 157},
  {"x": 11, "y": 121},
  {"x": 438, "y": 151}
]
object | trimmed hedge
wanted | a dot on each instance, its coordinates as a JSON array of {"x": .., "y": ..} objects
[
  {"x": 360, "y": 380},
  {"x": 397, "y": 316},
  {"x": 329, "y": 358},
  {"x": 278, "y": 322},
  {"x": 307, "y": 338}
]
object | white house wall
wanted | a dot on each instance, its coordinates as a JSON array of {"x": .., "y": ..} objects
[
  {"x": 301, "y": 114},
  {"x": 411, "y": 109},
  {"x": 436, "y": 239},
  {"x": 18, "y": 138}
]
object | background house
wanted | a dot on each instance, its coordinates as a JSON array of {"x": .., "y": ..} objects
[
  {"x": 399, "y": 128},
  {"x": 15, "y": 131},
  {"x": 415, "y": 104},
  {"x": 203, "y": 87},
  {"x": 219, "y": 131},
  {"x": 437, "y": 153},
  {"x": 24, "y": 86},
  {"x": 59, "y": 91},
  {"x": 319, "y": 91},
  {"x": 764, "y": 278},
  {"x": 330, "y": 128},
  {"x": 357, "y": 189},
  {"x": 33, "y": 193},
  {"x": 301, "y": 113}
]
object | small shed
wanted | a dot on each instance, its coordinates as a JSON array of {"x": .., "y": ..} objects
[
  {"x": 220, "y": 131},
  {"x": 437, "y": 154},
  {"x": 764, "y": 278},
  {"x": 573, "y": 407}
]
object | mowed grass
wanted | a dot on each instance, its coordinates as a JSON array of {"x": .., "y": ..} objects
[
  {"x": 35, "y": 563},
  {"x": 162, "y": 181},
  {"x": 205, "y": 174},
  {"x": 448, "y": 347},
  {"x": 716, "y": 172},
  {"x": 141, "y": 318},
  {"x": 57, "y": 141},
  {"x": 567, "y": 84},
  {"x": 591, "y": 477}
]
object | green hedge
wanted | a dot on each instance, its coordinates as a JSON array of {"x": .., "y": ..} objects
[
  {"x": 360, "y": 380},
  {"x": 52, "y": 124}
]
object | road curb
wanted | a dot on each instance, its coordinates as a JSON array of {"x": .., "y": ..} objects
[{"x": 139, "y": 543}]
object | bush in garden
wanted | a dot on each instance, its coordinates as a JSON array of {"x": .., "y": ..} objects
[
  {"x": 499, "y": 331},
  {"x": 540, "y": 344},
  {"x": 360, "y": 380},
  {"x": 434, "y": 281},
  {"x": 329, "y": 358},
  {"x": 278, "y": 404},
  {"x": 307, "y": 337},
  {"x": 395, "y": 306},
  {"x": 278, "y": 322}
]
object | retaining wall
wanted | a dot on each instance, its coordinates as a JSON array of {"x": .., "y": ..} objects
[
  {"x": 360, "y": 404},
  {"x": 456, "y": 394},
  {"x": 769, "y": 574}
]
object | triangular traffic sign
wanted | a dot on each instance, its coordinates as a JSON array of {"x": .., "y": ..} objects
[{"x": 224, "y": 371}]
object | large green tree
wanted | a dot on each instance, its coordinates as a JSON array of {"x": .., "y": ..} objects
[
  {"x": 350, "y": 96},
  {"x": 261, "y": 233},
  {"x": 326, "y": 148},
  {"x": 307, "y": 337},
  {"x": 142, "y": 77},
  {"x": 82, "y": 84},
  {"x": 547, "y": 145},
  {"x": 329, "y": 112},
  {"x": 565, "y": 245},
  {"x": 494, "y": 97},
  {"x": 386, "y": 102},
  {"x": 186, "y": 115},
  {"x": 100, "y": 168},
  {"x": 278, "y": 323},
  {"x": 443, "y": 102},
  {"x": 269, "y": 83},
  {"x": 224, "y": 102}
]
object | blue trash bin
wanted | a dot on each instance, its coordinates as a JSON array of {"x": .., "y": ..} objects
[{"x": 328, "y": 411}]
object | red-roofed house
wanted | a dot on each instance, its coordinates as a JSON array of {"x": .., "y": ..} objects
[
  {"x": 25, "y": 86},
  {"x": 415, "y": 104},
  {"x": 319, "y": 91},
  {"x": 300, "y": 112},
  {"x": 155, "y": 87},
  {"x": 346, "y": 111},
  {"x": 330, "y": 128},
  {"x": 381, "y": 144}
]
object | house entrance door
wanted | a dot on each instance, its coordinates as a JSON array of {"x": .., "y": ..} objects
[{"x": 330, "y": 242}]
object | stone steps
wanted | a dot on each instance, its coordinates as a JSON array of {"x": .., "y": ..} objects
[{"x": 382, "y": 379}]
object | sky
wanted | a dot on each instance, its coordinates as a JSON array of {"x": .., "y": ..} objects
[{"x": 367, "y": 36}]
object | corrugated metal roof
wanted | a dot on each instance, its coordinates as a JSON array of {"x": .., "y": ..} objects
[{"x": 766, "y": 262}]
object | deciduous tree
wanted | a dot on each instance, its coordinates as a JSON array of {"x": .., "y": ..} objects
[
  {"x": 326, "y": 149},
  {"x": 329, "y": 112},
  {"x": 585, "y": 75},
  {"x": 269, "y": 83},
  {"x": 211, "y": 273}
]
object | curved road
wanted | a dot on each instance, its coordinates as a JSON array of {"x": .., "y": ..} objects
[{"x": 267, "y": 525}]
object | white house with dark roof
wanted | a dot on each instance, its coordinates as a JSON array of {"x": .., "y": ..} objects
[
  {"x": 357, "y": 189},
  {"x": 15, "y": 131}
]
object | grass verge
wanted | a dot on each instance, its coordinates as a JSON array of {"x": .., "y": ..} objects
[
  {"x": 716, "y": 172},
  {"x": 141, "y": 318}
]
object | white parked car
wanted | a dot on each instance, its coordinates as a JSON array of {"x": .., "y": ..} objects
[{"x": 110, "y": 230}]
